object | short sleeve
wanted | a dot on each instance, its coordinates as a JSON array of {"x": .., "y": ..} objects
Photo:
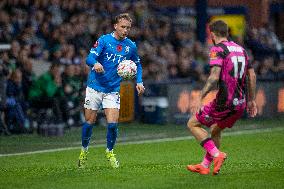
[
  {"x": 135, "y": 56},
  {"x": 98, "y": 47},
  {"x": 214, "y": 57},
  {"x": 95, "y": 52}
]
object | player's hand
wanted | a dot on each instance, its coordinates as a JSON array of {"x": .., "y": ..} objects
[
  {"x": 98, "y": 68},
  {"x": 140, "y": 88},
  {"x": 251, "y": 108}
]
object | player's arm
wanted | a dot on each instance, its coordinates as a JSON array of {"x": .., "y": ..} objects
[
  {"x": 252, "y": 110},
  {"x": 215, "y": 62},
  {"x": 95, "y": 52},
  {"x": 251, "y": 84},
  {"x": 135, "y": 58},
  {"x": 210, "y": 84},
  {"x": 212, "y": 81}
]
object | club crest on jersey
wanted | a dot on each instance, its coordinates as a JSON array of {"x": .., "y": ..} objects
[
  {"x": 87, "y": 102},
  {"x": 96, "y": 44},
  {"x": 119, "y": 48},
  {"x": 213, "y": 55},
  {"x": 127, "y": 49}
]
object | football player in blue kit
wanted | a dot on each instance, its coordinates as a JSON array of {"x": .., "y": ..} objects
[{"x": 103, "y": 84}]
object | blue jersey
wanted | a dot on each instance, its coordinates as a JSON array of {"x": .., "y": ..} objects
[{"x": 109, "y": 52}]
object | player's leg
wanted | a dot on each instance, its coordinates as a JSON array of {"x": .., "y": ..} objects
[
  {"x": 112, "y": 115},
  {"x": 90, "y": 117},
  {"x": 111, "y": 105},
  {"x": 92, "y": 103},
  {"x": 216, "y": 137},
  {"x": 200, "y": 134},
  {"x": 216, "y": 134},
  {"x": 196, "y": 129}
]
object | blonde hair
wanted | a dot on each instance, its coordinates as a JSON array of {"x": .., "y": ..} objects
[{"x": 125, "y": 16}]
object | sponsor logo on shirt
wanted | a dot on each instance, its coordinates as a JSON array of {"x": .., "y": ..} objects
[
  {"x": 115, "y": 57},
  {"x": 237, "y": 102}
]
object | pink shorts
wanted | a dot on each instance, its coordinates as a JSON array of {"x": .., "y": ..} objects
[{"x": 209, "y": 115}]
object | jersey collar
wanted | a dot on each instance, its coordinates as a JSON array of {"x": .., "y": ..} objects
[{"x": 112, "y": 34}]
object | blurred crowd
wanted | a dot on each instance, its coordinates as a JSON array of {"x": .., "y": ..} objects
[{"x": 61, "y": 32}]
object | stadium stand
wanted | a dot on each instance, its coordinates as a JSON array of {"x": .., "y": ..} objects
[{"x": 38, "y": 33}]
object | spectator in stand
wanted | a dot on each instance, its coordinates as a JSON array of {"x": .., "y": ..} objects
[
  {"x": 267, "y": 70},
  {"x": 6, "y": 29},
  {"x": 72, "y": 86},
  {"x": 16, "y": 106},
  {"x": 60, "y": 31},
  {"x": 47, "y": 93},
  {"x": 280, "y": 70},
  {"x": 173, "y": 72},
  {"x": 4, "y": 72},
  {"x": 28, "y": 76},
  {"x": 13, "y": 53},
  {"x": 263, "y": 43}
]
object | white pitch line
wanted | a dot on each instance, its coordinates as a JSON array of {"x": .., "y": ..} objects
[{"x": 146, "y": 141}]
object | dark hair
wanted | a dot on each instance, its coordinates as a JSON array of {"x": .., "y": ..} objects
[
  {"x": 125, "y": 16},
  {"x": 53, "y": 66},
  {"x": 219, "y": 28},
  {"x": 14, "y": 74}
]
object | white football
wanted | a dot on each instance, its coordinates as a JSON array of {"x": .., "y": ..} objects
[{"x": 127, "y": 69}]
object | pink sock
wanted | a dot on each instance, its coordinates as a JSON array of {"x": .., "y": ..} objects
[
  {"x": 210, "y": 147},
  {"x": 207, "y": 160}
]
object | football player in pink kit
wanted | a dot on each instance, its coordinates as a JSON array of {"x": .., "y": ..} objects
[{"x": 230, "y": 70}]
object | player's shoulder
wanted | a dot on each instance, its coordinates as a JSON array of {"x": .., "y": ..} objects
[
  {"x": 237, "y": 45},
  {"x": 219, "y": 50},
  {"x": 100, "y": 41},
  {"x": 105, "y": 37},
  {"x": 215, "y": 52},
  {"x": 243, "y": 49},
  {"x": 130, "y": 42},
  {"x": 220, "y": 47},
  {"x": 216, "y": 48}
]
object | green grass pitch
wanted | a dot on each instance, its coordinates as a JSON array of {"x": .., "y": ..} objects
[{"x": 255, "y": 160}]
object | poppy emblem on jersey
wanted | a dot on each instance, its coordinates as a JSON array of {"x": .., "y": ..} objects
[
  {"x": 213, "y": 55},
  {"x": 119, "y": 48},
  {"x": 96, "y": 44}
]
